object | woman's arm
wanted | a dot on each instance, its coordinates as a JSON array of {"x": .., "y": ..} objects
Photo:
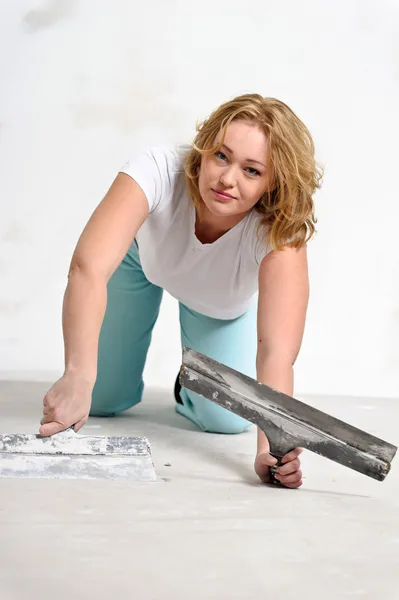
[
  {"x": 282, "y": 307},
  {"x": 100, "y": 249}
]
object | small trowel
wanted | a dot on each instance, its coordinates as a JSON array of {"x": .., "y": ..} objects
[
  {"x": 67, "y": 455},
  {"x": 287, "y": 422}
]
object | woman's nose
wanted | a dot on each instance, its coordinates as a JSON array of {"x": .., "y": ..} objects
[{"x": 229, "y": 177}]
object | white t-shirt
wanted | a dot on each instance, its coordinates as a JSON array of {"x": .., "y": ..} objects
[{"x": 218, "y": 279}]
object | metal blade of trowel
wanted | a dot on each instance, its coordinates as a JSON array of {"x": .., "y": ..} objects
[
  {"x": 288, "y": 423},
  {"x": 68, "y": 455}
]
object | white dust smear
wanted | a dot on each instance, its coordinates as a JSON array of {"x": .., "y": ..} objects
[{"x": 131, "y": 468}]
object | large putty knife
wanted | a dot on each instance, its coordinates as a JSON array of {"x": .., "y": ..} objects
[
  {"x": 67, "y": 455},
  {"x": 287, "y": 422}
]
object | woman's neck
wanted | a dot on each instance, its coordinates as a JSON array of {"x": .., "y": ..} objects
[{"x": 210, "y": 227}]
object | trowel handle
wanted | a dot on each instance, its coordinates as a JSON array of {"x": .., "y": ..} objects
[{"x": 273, "y": 470}]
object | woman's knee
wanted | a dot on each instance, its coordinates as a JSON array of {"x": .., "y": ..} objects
[
  {"x": 226, "y": 425},
  {"x": 108, "y": 403}
]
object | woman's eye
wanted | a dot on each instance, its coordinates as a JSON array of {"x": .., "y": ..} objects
[
  {"x": 221, "y": 155},
  {"x": 252, "y": 171}
]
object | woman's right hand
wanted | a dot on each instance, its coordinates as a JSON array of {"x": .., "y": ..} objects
[{"x": 66, "y": 404}]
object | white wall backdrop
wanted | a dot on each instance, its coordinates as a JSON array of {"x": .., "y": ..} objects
[{"x": 84, "y": 83}]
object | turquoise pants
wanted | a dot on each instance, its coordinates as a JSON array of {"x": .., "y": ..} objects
[{"x": 132, "y": 310}]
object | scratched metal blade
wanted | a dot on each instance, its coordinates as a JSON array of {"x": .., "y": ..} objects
[{"x": 287, "y": 422}]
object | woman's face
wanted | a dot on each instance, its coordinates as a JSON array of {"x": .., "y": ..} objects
[{"x": 232, "y": 180}]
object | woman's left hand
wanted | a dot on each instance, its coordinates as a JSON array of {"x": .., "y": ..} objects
[{"x": 289, "y": 474}]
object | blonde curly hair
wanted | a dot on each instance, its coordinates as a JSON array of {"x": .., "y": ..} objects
[{"x": 288, "y": 207}]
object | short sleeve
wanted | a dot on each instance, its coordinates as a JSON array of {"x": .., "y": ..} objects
[
  {"x": 155, "y": 172},
  {"x": 259, "y": 239}
]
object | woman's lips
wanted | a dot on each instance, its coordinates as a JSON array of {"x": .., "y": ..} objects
[{"x": 223, "y": 195}]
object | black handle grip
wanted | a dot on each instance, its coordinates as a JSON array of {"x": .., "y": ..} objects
[{"x": 273, "y": 470}]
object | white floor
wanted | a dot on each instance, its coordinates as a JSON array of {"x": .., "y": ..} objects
[{"x": 207, "y": 529}]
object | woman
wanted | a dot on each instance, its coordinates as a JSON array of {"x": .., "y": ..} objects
[{"x": 212, "y": 224}]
